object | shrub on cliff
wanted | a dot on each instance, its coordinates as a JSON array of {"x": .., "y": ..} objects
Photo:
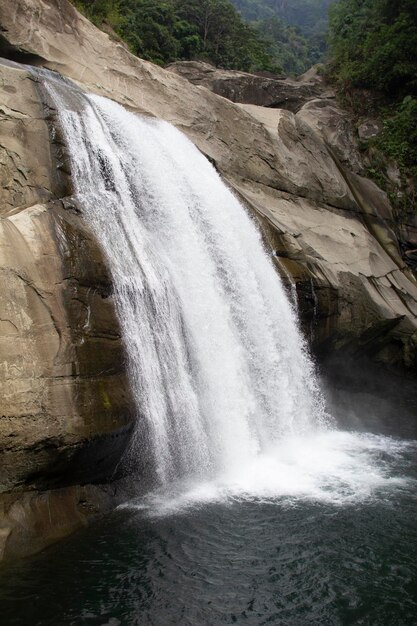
[{"x": 373, "y": 45}]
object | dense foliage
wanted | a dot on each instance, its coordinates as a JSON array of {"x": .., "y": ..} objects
[
  {"x": 373, "y": 45},
  {"x": 399, "y": 139},
  {"x": 309, "y": 15},
  {"x": 167, "y": 30},
  {"x": 289, "y": 47},
  {"x": 295, "y": 29}
]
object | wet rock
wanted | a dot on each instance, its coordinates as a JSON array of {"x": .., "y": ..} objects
[{"x": 66, "y": 413}]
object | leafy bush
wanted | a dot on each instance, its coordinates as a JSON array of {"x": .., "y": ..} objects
[{"x": 399, "y": 138}]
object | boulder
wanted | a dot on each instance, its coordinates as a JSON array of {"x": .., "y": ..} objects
[
  {"x": 334, "y": 125},
  {"x": 369, "y": 129},
  {"x": 283, "y": 93}
]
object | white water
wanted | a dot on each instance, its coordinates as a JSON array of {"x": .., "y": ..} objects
[
  {"x": 225, "y": 389},
  {"x": 329, "y": 467}
]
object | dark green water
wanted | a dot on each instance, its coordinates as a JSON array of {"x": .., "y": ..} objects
[{"x": 290, "y": 560}]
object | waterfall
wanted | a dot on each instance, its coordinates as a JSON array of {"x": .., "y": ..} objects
[{"x": 217, "y": 364}]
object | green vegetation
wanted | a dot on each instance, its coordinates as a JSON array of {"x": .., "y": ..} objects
[
  {"x": 373, "y": 46},
  {"x": 289, "y": 47},
  {"x": 399, "y": 139},
  {"x": 310, "y": 16},
  {"x": 163, "y": 31},
  {"x": 250, "y": 35},
  {"x": 294, "y": 29}
]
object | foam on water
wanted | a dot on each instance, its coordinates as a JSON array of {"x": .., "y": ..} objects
[{"x": 333, "y": 468}]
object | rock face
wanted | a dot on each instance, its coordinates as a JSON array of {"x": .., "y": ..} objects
[
  {"x": 67, "y": 413},
  {"x": 249, "y": 88},
  {"x": 355, "y": 292}
]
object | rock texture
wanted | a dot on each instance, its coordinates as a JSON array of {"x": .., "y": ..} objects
[
  {"x": 247, "y": 88},
  {"x": 355, "y": 291},
  {"x": 66, "y": 410}
]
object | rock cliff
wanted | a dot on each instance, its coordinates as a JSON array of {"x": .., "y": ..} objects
[
  {"x": 278, "y": 93},
  {"x": 67, "y": 413}
]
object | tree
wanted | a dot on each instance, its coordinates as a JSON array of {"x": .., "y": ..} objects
[
  {"x": 373, "y": 44},
  {"x": 295, "y": 29},
  {"x": 167, "y": 30}
]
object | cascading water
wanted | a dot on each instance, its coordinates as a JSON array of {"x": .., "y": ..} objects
[
  {"x": 219, "y": 369},
  {"x": 261, "y": 513},
  {"x": 227, "y": 397}
]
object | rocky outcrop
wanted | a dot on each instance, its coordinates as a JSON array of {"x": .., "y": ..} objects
[
  {"x": 355, "y": 292},
  {"x": 284, "y": 93},
  {"x": 67, "y": 412}
]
